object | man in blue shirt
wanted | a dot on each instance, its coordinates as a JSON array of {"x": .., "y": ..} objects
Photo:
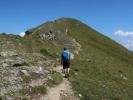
[{"x": 65, "y": 60}]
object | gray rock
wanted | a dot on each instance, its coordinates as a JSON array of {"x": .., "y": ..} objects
[
  {"x": 25, "y": 72},
  {"x": 8, "y": 53},
  {"x": 12, "y": 65},
  {"x": 5, "y": 65},
  {"x": 4, "y": 54}
]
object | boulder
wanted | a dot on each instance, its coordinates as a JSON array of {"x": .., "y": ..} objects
[{"x": 8, "y": 53}]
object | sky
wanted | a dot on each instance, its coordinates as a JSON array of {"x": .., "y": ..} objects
[{"x": 113, "y": 18}]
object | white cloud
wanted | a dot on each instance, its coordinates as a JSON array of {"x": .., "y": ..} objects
[
  {"x": 22, "y": 34},
  {"x": 121, "y": 33},
  {"x": 125, "y": 38},
  {"x": 129, "y": 44}
]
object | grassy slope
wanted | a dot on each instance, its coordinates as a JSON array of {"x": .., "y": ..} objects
[
  {"x": 103, "y": 69},
  {"x": 99, "y": 71},
  {"x": 16, "y": 43},
  {"x": 11, "y": 42}
]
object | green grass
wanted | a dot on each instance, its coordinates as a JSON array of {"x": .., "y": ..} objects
[
  {"x": 99, "y": 78},
  {"x": 30, "y": 91},
  {"x": 56, "y": 79},
  {"x": 50, "y": 53},
  {"x": 39, "y": 90}
]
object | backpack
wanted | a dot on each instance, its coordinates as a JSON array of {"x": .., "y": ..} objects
[{"x": 66, "y": 55}]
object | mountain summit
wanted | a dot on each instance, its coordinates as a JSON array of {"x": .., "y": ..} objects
[{"x": 102, "y": 68}]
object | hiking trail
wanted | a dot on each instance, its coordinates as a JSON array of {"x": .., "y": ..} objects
[{"x": 63, "y": 91}]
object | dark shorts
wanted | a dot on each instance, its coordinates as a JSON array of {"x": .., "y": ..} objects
[{"x": 66, "y": 64}]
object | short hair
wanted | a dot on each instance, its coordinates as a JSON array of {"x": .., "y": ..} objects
[{"x": 65, "y": 48}]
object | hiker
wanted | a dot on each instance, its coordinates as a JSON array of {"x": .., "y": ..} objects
[{"x": 65, "y": 60}]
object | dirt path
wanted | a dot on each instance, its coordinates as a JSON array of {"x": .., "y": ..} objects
[{"x": 63, "y": 91}]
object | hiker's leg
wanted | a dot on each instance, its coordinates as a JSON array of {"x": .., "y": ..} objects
[
  {"x": 68, "y": 70},
  {"x": 65, "y": 71},
  {"x": 68, "y": 67}
]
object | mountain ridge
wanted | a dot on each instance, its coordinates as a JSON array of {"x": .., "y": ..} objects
[{"x": 102, "y": 68}]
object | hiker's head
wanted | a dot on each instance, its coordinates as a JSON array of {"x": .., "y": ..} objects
[{"x": 65, "y": 48}]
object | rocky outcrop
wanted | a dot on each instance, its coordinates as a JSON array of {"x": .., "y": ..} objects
[
  {"x": 48, "y": 35},
  {"x": 18, "y": 73}
]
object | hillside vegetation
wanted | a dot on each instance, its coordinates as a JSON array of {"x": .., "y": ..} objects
[{"x": 102, "y": 69}]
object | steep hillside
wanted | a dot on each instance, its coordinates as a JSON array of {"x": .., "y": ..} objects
[
  {"x": 66, "y": 29},
  {"x": 102, "y": 69}
]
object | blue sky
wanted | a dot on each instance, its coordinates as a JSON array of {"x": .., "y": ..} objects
[{"x": 113, "y": 18}]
